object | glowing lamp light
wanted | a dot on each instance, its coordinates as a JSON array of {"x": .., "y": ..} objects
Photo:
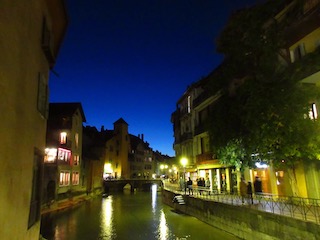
[
  {"x": 108, "y": 168},
  {"x": 261, "y": 165},
  {"x": 162, "y": 166},
  {"x": 184, "y": 162}
]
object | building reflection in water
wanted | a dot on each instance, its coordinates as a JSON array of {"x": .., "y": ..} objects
[
  {"x": 154, "y": 189},
  {"x": 163, "y": 227},
  {"x": 107, "y": 228},
  {"x": 70, "y": 225}
]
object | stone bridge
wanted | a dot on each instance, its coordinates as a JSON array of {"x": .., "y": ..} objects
[{"x": 141, "y": 184}]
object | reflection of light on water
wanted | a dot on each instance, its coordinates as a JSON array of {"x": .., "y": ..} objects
[
  {"x": 154, "y": 197},
  {"x": 163, "y": 228},
  {"x": 62, "y": 230},
  {"x": 107, "y": 227}
]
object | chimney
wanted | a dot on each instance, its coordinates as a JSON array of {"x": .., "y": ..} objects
[
  {"x": 142, "y": 137},
  {"x": 139, "y": 136}
]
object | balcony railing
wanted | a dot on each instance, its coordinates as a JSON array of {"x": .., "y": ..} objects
[
  {"x": 201, "y": 98},
  {"x": 307, "y": 209},
  {"x": 204, "y": 157},
  {"x": 304, "y": 24},
  {"x": 199, "y": 129},
  {"x": 185, "y": 137}
]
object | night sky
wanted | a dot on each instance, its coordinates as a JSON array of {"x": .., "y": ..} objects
[{"x": 135, "y": 58}]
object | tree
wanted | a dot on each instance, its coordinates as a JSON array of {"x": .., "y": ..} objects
[{"x": 264, "y": 111}]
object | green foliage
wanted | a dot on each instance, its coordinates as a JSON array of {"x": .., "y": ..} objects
[
  {"x": 233, "y": 154},
  {"x": 249, "y": 38},
  {"x": 267, "y": 114}
]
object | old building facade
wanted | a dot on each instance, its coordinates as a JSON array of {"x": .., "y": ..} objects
[
  {"x": 191, "y": 137},
  {"x": 31, "y": 34},
  {"x": 63, "y": 165}
]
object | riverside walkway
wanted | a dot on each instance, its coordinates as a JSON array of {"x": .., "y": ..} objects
[{"x": 306, "y": 209}]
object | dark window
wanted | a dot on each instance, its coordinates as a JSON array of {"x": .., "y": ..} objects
[
  {"x": 42, "y": 102},
  {"x": 47, "y": 43},
  {"x": 298, "y": 52}
]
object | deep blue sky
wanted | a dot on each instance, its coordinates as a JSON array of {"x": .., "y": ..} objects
[{"x": 135, "y": 58}]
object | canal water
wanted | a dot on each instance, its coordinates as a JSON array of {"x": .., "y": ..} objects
[{"x": 127, "y": 216}]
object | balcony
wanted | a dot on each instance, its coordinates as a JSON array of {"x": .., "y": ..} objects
[
  {"x": 201, "y": 98},
  {"x": 183, "y": 112},
  {"x": 304, "y": 24},
  {"x": 66, "y": 145},
  {"x": 205, "y": 158},
  {"x": 199, "y": 129},
  {"x": 186, "y": 136}
]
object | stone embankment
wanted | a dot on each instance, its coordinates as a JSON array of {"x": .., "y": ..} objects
[
  {"x": 243, "y": 221},
  {"x": 68, "y": 203}
]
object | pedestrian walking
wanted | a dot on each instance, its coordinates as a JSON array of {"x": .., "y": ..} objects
[
  {"x": 200, "y": 185},
  {"x": 182, "y": 184},
  {"x": 243, "y": 190},
  {"x": 249, "y": 192},
  {"x": 257, "y": 186},
  {"x": 189, "y": 186},
  {"x": 207, "y": 185}
]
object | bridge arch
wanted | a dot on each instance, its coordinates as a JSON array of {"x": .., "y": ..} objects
[{"x": 118, "y": 185}]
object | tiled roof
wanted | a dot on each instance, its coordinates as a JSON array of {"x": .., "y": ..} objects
[{"x": 65, "y": 109}]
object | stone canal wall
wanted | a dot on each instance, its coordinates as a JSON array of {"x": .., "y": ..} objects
[{"x": 244, "y": 222}]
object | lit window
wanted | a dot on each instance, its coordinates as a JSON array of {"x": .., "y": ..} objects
[
  {"x": 108, "y": 168},
  {"x": 64, "y": 154},
  {"x": 64, "y": 178},
  {"x": 313, "y": 113},
  {"x": 75, "y": 178},
  {"x": 76, "y": 160},
  {"x": 51, "y": 155},
  {"x": 189, "y": 104},
  {"x": 63, "y": 138}
]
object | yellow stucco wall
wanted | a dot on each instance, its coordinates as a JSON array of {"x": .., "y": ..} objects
[
  {"x": 309, "y": 41},
  {"x": 22, "y": 128}
]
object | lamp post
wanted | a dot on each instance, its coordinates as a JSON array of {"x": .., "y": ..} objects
[
  {"x": 163, "y": 168},
  {"x": 184, "y": 162}
]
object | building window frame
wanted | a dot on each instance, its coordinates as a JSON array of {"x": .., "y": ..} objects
[
  {"x": 42, "y": 98},
  {"x": 75, "y": 178},
  {"x": 64, "y": 178},
  {"x": 76, "y": 160},
  {"x": 64, "y": 155},
  {"x": 63, "y": 138}
]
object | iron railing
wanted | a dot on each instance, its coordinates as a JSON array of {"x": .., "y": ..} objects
[{"x": 307, "y": 209}]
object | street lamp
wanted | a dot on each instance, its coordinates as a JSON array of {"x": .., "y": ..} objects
[
  {"x": 163, "y": 168},
  {"x": 184, "y": 162}
]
